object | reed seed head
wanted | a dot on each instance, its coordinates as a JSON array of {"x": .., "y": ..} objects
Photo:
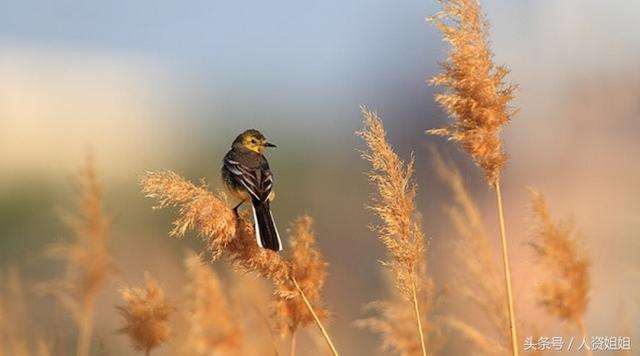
[
  {"x": 198, "y": 208},
  {"x": 146, "y": 314},
  {"x": 224, "y": 233},
  {"x": 87, "y": 256},
  {"x": 476, "y": 96},
  {"x": 402, "y": 234},
  {"x": 564, "y": 290},
  {"x": 393, "y": 202}
]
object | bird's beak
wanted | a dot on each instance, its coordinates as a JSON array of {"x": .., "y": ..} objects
[{"x": 269, "y": 144}]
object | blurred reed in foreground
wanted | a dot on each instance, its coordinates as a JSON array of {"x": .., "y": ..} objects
[
  {"x": 564, "y": 291},
  {"x": 212, "y": 325},
  {"x": 402, "y": 235},
  {"x": 87, "y": 256},
  {"x": 476, "y": 280},
  {"x": 231, "y": 237},
  {"x": 477, "y": 99},
  {"x": 146, "y": 314}
]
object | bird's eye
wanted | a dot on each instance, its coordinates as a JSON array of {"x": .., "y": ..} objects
[{"x": 253, "y": 140}]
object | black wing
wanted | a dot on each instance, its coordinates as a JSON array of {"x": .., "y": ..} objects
[{"x": 257, "y": 181}]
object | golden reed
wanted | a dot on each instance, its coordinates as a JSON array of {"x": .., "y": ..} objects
[
  {"x": 564, "y": 291},
  {"x": 402, "y": 235},
  {"x": 146, "y": 315},
  {"x": 87, "y": 256},
  {"x": 232, "y": 237},
  {"x": 477, "y": 99}
]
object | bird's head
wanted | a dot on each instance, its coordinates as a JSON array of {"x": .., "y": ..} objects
[{"x": 252, "y": 140}]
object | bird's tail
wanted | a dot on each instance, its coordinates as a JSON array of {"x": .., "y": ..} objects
[{"x": 266, "y": 231}]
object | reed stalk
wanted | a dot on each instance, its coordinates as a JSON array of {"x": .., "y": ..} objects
[
  {"x": 416, "y": 308},
  {"x": 292, "y": 346},
  {"x": 507, "y": 271},
  {"x": 478, "y": 99},
  {"x": 326, "y": 336},
  {"x": 85, "y": 329},
  {"x": 583, "y": 333}
]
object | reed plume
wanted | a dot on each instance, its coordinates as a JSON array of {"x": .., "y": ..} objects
[
  {"x": 199, "y": 209},
  {"x": 477, "y": 97},
  {"x": 400, "y": 231},
  {"x": 87, "y": 256},
  {"x": 223, "y": 232},
  {"x": 564, "y": 291},
  {"x": 478, "y": 100},
  {"x": 226, "y": 234},
  {"x": 477, "y": 280},
  {"x": 212, "y": 325},
  {"x": 146, "y": 315},
  {"x": 309, "y": 270}
]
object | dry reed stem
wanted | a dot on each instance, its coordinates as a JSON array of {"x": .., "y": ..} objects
[
  {"x": 583, "y": 332},
  {"x": 476, "y": 96},
  {"x": 292, "y": 344},
  {"x": 87, "y": 256},
  {"x": 146, "y": 313},
  {"x": 400, "y": 231},
  {"x": 315, "y": 316},
  {"x": 225, "y": 234},
  {"x": 212, "y": 325},
  {"x": 478, "y": 279},
  {"x": 507, "y": 271},
  {"x": 564, "y": 291},
  {"x": 395, "y": 321},
  {"x": 292, "y": 306}
]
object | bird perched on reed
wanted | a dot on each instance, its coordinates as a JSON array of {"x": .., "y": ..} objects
[{"x": 246, "y": 175}]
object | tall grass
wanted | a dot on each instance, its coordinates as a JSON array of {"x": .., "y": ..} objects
[
  {"x": 477, "y": 99},
  {"x": 402, "y": 235},
  {"x": 232, "y": 237},
  {"x": 564, "y": 290},
  {"x": 87, "y": 257}
]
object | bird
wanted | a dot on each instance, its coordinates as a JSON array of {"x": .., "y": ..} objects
[{"x": 246, "y": 176}]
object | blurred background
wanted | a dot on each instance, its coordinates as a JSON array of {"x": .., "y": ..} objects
[{"x": 151, "y": 85}]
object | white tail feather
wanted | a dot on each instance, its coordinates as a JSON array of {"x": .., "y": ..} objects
[
  {"x": 257, "y": 228},
  {"x": 277, "y": 233}
]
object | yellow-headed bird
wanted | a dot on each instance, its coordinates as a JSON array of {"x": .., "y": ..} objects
[{"x": 246, "y": 175}]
